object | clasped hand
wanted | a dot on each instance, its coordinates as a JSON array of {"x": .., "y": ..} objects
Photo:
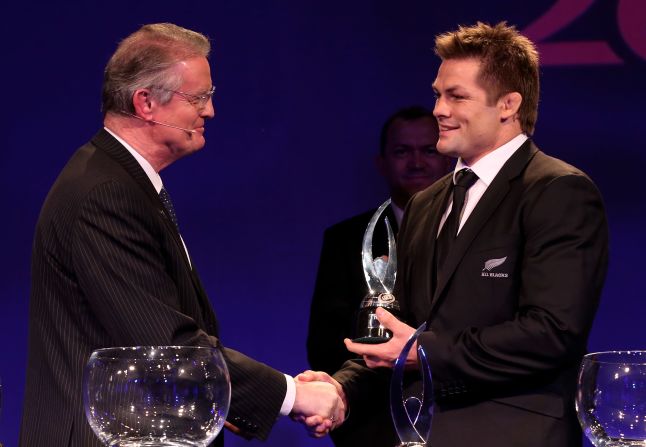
[{"x": 320, "y": 402}]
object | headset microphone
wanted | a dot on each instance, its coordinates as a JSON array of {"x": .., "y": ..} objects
[
  {"x": 189, "y": 131},
  {"x": 173, "y": 127}
]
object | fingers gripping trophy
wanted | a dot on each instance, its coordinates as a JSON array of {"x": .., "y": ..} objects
[{"x": 380, "y": 277}]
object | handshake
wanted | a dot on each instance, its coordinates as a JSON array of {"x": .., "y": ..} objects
[{"x": 320, "y": 403}]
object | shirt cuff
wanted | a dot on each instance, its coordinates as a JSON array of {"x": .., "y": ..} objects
[{"x": 290, "y": 396}]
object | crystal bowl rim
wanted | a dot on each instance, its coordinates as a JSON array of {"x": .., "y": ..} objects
[
  {"x": 634, "y": 357},
  {"x": 104, "y": 353}
]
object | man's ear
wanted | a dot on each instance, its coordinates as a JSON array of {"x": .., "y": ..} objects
[
  {"x": 509, "y": 104},
  {"x": 142, "y": 103}
]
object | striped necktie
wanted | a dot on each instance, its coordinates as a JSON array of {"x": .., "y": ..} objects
[{"x": 168, "y": 204}]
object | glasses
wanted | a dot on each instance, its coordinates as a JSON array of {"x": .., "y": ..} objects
[{"x": 199, "y": 101}]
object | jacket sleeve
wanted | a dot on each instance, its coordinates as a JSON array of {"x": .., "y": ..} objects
[{"x": 139, "y": 290}]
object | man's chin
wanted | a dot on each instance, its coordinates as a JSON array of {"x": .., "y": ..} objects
[
  {"x": 189, "y": 149},
  {"x": 443, "y": 147},
  {"x": 198, "y": 142}
]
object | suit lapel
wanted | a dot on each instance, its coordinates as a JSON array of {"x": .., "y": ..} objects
[
  {"x": 112, "y": 147},
  {"x": 488, "y": 203},
  {"x": 436, "y": 212},
  {"x": 106, "y": 142},
  {"x": 431, "y": 213}
]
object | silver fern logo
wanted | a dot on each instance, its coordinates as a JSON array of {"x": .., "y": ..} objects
[{"x": 492, "y": 264}]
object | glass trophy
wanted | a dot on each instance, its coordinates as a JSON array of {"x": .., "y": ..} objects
[
  {"x": 611, "y": 398},
  {"x": 412, "y": 415},
  {"x": 156, "y": 395},
  {"x": 380, "y": 276}
]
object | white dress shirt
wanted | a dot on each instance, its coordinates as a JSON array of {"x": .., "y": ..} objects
[
  {"x": 398, "y": 212},
  {"x": 486, "y": 169}
]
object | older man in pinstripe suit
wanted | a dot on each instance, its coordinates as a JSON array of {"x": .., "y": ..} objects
[{"x": 109, "y": 266}]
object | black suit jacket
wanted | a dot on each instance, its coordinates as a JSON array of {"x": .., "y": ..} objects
[
  {"x": 109, "y": 269},
  {"x": 511, "y": 310},
  {"x": 340, "y": 287}
]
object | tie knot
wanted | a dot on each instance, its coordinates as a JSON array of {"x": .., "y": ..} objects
[{"x": 465, "y": 178}]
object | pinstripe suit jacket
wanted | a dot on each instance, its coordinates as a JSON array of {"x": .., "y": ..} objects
[{"x": 109, "y": 269}]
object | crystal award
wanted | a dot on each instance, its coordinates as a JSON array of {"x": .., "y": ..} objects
[{"x": 380, "y": 276}]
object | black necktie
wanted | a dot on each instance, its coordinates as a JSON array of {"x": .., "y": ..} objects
[
  {"x": 464, "y": 179},
  {"x": 168, "y": 204}
]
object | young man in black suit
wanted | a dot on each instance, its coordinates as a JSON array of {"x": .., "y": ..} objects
[
  {"x": 109, "y": 265},
  {"x": 409, "y": 162},
  {"x": 509, "y": 282}
]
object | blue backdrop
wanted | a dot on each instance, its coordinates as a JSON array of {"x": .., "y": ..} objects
[{"x": 302, "y": 89}]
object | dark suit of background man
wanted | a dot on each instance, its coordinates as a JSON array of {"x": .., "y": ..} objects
[
  {"x": 409, "y": 162},
  {"x": 510, "y": 304},
  {"x": 109, "y": 266}
]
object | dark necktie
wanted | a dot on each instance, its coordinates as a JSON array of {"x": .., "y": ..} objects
[
  {"x": 464, "y": 179},
  {"x": 168, "y": 204}
]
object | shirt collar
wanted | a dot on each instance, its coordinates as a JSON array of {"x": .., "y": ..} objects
[
  {"x": 398, "y": 212},
  {"x": 153, "y": 176},
  {"x": 488, "y": 166}
]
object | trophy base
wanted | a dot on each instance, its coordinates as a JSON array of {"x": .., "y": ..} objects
[
  {"x": 368, "y": 328},
  {"x": 371, "y": 340}
]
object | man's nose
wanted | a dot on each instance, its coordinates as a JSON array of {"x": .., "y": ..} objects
[
  {"x": 440, "y": 108},
  {"x": 416, "y": 158},
  {"x": 209, "y": 110}
]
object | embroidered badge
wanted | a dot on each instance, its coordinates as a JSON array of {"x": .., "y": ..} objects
[{"x": 492, "y": 264}]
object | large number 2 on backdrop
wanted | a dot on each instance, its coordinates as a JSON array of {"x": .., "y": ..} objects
[{"x": 631, "y": 19}]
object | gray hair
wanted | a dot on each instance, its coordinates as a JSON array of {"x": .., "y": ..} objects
[{"x": 148, "y": 59}]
